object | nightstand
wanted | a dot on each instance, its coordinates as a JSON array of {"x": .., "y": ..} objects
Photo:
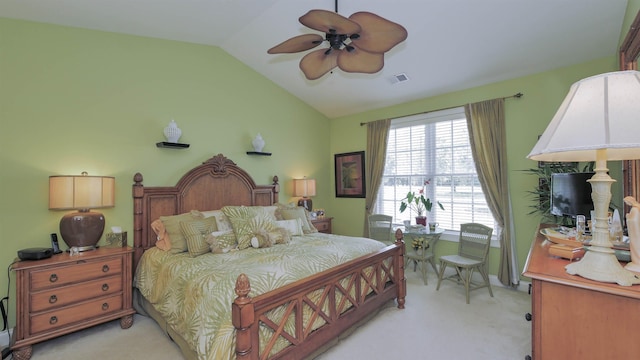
[
  {"x": 323, "y": 224},
  {"x": 64, "y": 293}
]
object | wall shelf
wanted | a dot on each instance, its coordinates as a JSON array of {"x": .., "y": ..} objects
[
  {"x": 170, "y": 145},
  {"x": 258, "y": 153}
]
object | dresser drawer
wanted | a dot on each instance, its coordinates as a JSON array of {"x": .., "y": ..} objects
[
  {"x": 65, "y": 295},
  {"x": 72, "y": 273},
  {"x": 53, "y": 319}
]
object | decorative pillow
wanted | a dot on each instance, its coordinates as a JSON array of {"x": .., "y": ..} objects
[
  {"x": 221, "y": 219},
  {"x": 173, "y": 230},
  {"x": 247, "y": 221},
  {"x": 162, "y": 238},
  {"x": 195, "y": 233},
  {"x": 288, "y": 212},
  {"x": 294, "y": 226},
  {"x": 222, "y": 241}
]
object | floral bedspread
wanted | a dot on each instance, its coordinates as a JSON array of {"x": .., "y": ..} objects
[{"x": 195, "y": 294}]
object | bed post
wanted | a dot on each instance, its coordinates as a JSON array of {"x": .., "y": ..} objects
[
  {"x": 243, "y": 318},
  {"x": 402, "y": 281},
  {"x": 138, "y": 192}
]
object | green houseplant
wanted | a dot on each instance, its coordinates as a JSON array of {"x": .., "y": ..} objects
[{"x": 419, "y": 204}]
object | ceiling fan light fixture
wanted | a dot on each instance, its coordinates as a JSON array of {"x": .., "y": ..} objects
[{"x": 364, "y": 37}]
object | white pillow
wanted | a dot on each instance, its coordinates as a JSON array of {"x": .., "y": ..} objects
[
  {"x": 221, "y": 219},
  {"x": 293, "y": 225}
]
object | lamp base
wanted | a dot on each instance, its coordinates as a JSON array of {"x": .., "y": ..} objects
[
  {"x": 306, "y": 203},
  {"x": 82, "y": 230},
  {"x": 632, "y": 267},
  {"x": 602, "y": 266}
]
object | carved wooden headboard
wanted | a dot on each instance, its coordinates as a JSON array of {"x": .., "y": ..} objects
[{"x": 216, "y": 183}]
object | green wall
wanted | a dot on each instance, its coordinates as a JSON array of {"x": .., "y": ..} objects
[{"x": 76, "y": 100}]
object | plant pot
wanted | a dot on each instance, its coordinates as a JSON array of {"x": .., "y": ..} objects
[{"x": 421, "y": 220}]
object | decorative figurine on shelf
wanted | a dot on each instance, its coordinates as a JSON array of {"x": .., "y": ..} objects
[
  {"x": 172, "y": 132},
  {"x": 258, "y": 143},
  {"x": 633, "y": 226}
]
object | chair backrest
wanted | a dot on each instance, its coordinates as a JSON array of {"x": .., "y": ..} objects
[
  {"x": 475, "y": 241},
  {"x": 380, "y": 227}
]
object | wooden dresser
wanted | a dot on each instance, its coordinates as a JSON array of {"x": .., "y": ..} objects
[
  {"x": 577, "y": 318},
  {"x": 323, "y": 224},
  {"x": 64, "y": 293}
]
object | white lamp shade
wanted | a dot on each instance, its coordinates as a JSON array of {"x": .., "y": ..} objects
[
  {"x": 599, "y": 112},
  {"x": 81, "y": 192},
  {"x": 304, "y": 187}
]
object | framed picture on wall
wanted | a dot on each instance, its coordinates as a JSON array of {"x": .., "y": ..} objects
[{"x": 350, "y": 175}]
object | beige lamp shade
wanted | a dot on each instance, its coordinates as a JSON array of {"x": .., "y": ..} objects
[
  {"x": 304, "y": 187},
  {"x": 599, "y": 112},
  {"x": 82, "y": 229},
  {"x": 81, "y": 192}
]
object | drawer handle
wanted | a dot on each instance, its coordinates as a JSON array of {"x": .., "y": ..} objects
[
  {"x": 53, "y": 320},
  {"x": 53, "y": 299},
  {"x": 105, "y": 268},
  {"x": 105, "y": 287},
  {"x": 105, "y": 306},
  {"x": 53, "y": 278}
]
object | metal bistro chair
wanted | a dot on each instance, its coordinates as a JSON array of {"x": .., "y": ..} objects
[
  {"x": 473, "y": 253},
  {"x": 380, "y": 228}
]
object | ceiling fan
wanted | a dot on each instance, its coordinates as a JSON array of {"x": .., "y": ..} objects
[{"x": 356, "y": 44}]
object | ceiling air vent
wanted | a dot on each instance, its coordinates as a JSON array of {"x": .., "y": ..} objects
[{"x": 398, "y": 78}]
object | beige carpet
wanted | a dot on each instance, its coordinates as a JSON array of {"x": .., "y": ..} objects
[{"x": 434, "y": 325}]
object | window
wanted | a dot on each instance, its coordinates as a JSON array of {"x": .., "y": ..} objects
[{"x": 432, "y": 152}]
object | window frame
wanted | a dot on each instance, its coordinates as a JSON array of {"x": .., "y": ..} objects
[{"x": 450, "y": 114}]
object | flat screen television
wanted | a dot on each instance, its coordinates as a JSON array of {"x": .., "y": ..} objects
[{"x": 571, "y": 194}]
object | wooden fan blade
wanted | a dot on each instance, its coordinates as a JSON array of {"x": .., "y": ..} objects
[
  {"x": 378, "y": 34},
  {"x": 297, "y": 44},
  {"x": 360, "y": 61},
  {"x": 325, "y": 21},
  {"x": 316, "y": 63}
]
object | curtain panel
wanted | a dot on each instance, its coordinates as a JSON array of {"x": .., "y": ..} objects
[
  {"x": 486, "y": 124},
  {"x": 375, "y": 157}
]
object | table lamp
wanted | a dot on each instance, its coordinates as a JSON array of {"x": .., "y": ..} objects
[
  {"x": 81, "y": 229},
  {"x": 599, "y": 120},
  {"x": 305, "y": 188}
]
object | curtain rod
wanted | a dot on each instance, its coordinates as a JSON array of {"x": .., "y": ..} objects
[{"x": 517, "y": 96}]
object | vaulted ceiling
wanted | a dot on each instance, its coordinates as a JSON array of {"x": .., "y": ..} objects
[{"x": 452, "y": 44}]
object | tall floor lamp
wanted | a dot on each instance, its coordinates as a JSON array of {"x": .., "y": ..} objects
[{"x": 599, "y": 120}]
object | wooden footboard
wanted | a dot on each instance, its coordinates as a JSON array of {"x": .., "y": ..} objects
[{"x": 349, "y": 293}]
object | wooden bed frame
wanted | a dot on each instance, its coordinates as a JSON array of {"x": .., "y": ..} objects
[{"x": 351, "y": 292}]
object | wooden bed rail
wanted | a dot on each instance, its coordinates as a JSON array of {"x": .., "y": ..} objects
[{"x": 341, "y": 297}]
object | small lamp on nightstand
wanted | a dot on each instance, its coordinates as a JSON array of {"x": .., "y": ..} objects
[
  {"x": 81, "y": 229},
  {"x": 305, "y": 188}
]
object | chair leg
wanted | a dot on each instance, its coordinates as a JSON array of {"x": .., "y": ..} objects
[
  {"x": 443, "y": 266},
  {"x": 485, "y": 276},
  {"x": 423, "y": 265},
  {"x": 467, "y": 282}
]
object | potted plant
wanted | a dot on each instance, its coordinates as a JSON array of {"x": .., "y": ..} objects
[{"x": 419, "y": 204}]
